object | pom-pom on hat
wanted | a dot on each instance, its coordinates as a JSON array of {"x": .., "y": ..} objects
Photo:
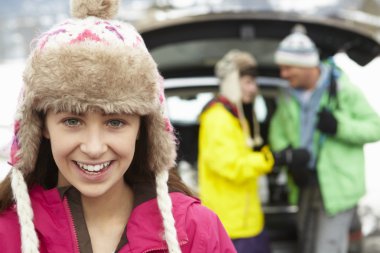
[
  {"x": 86, "y": 62},
  {"x": 297, "y": 49}
]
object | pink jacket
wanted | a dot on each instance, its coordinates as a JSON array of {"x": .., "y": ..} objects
[{"x": 199, "y": 230}]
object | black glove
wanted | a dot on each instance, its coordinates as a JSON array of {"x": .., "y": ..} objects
[
  {"x": 292, "y": 157},
  {"x": 296, "y": 160},
  {"x": 327, "y": 122}
]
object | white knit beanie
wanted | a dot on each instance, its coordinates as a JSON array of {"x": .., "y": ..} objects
[
  {"x": 84, "y": 62},
  {"x": 297, "y": 49}
]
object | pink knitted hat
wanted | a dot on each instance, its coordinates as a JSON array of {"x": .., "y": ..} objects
[{"x": 91, "y": 61}]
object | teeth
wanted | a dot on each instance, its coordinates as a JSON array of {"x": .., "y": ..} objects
[{"x": 93, "y": 168}]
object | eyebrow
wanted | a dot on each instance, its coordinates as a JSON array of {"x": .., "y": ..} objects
[
  {"x": 81, "y": 114},
  {"x": 112, "y": 114}
]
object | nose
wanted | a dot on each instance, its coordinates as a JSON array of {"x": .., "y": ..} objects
[
  {"x": 93, "y": 144},
  {"x": 284, "y": 73}
]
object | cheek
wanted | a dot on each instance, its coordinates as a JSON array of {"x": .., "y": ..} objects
[
  {"x": 61, "y": 147},
  {"x": 125, "y": 147},
  {"x": 294, "y": 77},
  {"x": 305, "y": 78},
  {"x": 283, "y": 73},
  {"x": 245, "y": 88},
  {"x": 254, "y": 88}
]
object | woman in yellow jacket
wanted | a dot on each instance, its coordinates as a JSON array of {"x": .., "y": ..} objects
[{"x": 229, "y": 166}]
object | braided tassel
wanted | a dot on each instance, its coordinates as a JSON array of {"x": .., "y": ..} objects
[
  {"x": 165, "y": 205},
  {"x": 29, "y": 240}
]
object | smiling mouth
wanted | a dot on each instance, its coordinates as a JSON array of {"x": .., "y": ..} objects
[{"x": 93, "y": 168}]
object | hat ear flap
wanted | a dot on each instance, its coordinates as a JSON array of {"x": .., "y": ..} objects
[
  {"x": 230, "y": 86},
  {"x": 29, "y": 137},
  {"x": 161, "y": 143}
]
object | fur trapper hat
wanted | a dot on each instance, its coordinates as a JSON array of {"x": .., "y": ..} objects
[
  {"x": 228, "y": 71},
  {"x": 91, "y": 61}
]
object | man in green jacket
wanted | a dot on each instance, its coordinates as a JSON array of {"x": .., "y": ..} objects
[{"x": 321, "y": 124}]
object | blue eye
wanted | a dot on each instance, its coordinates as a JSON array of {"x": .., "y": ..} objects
[
  {"x": 115, "y": 123},
  {"x": 72, "y": 122}
]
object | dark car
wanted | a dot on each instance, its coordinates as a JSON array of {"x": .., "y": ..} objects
[{"x": 186, "y": 50}]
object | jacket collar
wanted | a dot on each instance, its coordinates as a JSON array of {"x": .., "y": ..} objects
[
  {"x": 143, "y": 234},
  {"x": 147, "y": 234}
]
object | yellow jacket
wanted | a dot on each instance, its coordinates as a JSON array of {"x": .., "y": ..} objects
[{"x": 228, "y": 172}]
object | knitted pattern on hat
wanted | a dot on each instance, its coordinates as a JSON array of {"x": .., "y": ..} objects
[
  {"x": 297, "y": 49},
  {"x": 88, "y": 62}
]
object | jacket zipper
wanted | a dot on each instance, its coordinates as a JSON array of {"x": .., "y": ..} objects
[
  {"x": 72, "y": 226},
  {"x": 181, "y": 243}
]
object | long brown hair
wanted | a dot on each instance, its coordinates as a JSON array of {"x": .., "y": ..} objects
[
  {"x": 45, "y": 172},
  {"x": 139, "y": 171}
]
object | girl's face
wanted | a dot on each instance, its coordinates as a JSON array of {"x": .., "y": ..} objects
[
  {"x": 92, "y": 150},
  {"x": 249, "y": 88}
]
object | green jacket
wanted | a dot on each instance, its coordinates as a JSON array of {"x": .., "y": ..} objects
[{"x": 340, "y": 159}]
